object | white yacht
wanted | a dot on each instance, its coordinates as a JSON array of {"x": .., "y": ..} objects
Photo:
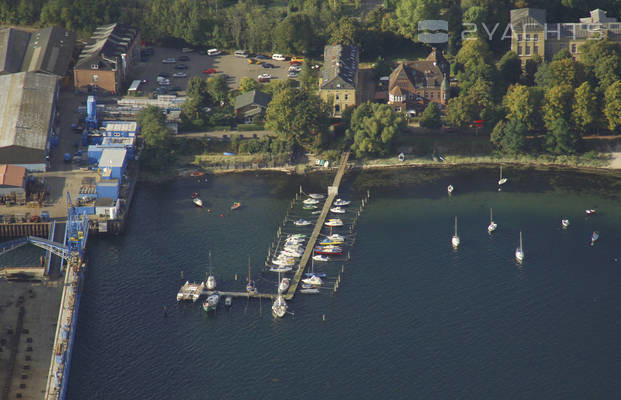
[
  {"x": 284, "y": 285},
  {"x": 313, "y": 280},
  {"x": 198, "y": 202},
  {"x": 519, "y": 252},
  {"x": 211, "y": 280},
  {"x": 319, "y": 257},
  {"x": 502, "y": 180},
  {"x": 316, "y": 196},
  {"x": 338, "y": 210},
  {"x": 450, "y": 189},
  {"x": 341, "y": 202},
  {"x": 492, "y": 225},
  {"x": 565, "y": 223},
  {"x": 455, "y": 239},
  {"x": 310, "y": 201},
  {"x": 333, "y": 222},
  {"x": 279, "y": 307},
  {"x": 301, "y": 222}
]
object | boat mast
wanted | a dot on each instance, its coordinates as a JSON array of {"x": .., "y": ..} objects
[
  {"x": 500, "y": 173},
  {"x": 520, "y": 241},
  {"x": 491, "y": 216},
  {"x": 248, "y": 269},
  {"x": 209, "y": 262},
  {"x": 455, "y": 226}
]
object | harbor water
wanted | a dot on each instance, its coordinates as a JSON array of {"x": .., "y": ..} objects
[{"x": 413, "y": 318}]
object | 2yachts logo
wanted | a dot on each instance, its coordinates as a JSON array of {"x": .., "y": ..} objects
[{"x": 433, "y": 31}]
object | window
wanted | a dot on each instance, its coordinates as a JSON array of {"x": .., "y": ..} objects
[
  {"x": 426, "y": 95},
  {"x": 535, "y": 49},
  {"x": 519, "y": 50},
  {"x": 95, "y": 78},
  {"x": 337, "y": 108},
  {"x": 94, "y": 66},
  {"x": 527, "y": 49},
  {"x": 398, "y": 109},
  {"x": 573, "y": 48},
  {"x": 528, "y": 37},
  {"x": 336, "y": 97},
  {"x": 536, "y": 37},
  {"x": 432, "y": 95},
  {"x": 519, "y": 37},
  {"x": 346, "y": 97},
  {"x": 614, "y": 27}
]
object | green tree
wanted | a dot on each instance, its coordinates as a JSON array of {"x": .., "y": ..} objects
[
  {"x": 612, "y": 108},
  {"x": 530, "y": 69},
  {"x": 382, "y": 67},
  {"x": 247, "y": 84},
  {"x": 474, "y": 63},
  {"x": 298, "y": 116},
  {"x": 373, "y": 127},
  {"x": 158, "y": 153},
  {"x": 218, "y": 88},
  {"x": 308, "y": 78},
  {"x": 294, "y": 35},
  {"x": 544, "y": 77},
  {"x": 557, "y": 104},
  {"x": 197, "y": 98},
  {"x": 431, "y": 117},
  {"x": 476, "y": 15},
  {"x": 585, "y": 112},
  {"x": 409, "y": 12},
  {"x": 509, "y": 137},
  {"x": 523, "y": 104},
  {"x": 561, "y": 138},
  {"x": 346, "y": 31},
  {"x": 562, "y": 54},
  {"x": 602, "y": 59},
  {"x": 510, "y": 68},
  {"x": 567, "y": 71}
]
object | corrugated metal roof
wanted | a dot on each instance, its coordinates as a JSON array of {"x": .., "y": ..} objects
[
  {"x": 49, "y": 50},
  {"x": 106, "y": 44},
  {"x": 13, "y": 44},
  {"x": 26, "y": 105}
]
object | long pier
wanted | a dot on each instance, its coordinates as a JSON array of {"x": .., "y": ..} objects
[
  {"x": 239, "y": 294},
  {"x": 333, "y": 191}
]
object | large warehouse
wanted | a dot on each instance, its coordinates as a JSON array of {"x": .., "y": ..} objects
[{"x": 27, "y": 110}]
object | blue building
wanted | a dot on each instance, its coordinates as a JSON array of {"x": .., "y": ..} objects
[
  {"x": 95, "y": 150},
  {"x": 112, "y": 163},
  {"x": 119, "y": 128},
  {"x": 108, "y": 189}
]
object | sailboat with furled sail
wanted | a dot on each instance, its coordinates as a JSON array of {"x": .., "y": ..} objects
[
  {"x": 492, "y": 225},
  {"x": 250, "y": 286},
  {"x": 519, "y": 252},
  {"x": 455, "y": 239},
  {"x": 211, "y": 280}
]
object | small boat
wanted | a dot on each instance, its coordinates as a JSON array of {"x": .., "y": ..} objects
[
  {"x": 329, "y": 242},
  {"x": 301, "y": 222},
  {"x": 594, "y": 237},
  {"x": 341, "y": 203},
  {"x": 211, "y": 303},
  {"x": 284, "y": 261},
  {"x": 197, "y": 173},
  {"x": 313, "y": 280},
  {"x": 250, "y": 286},
  {"x": 319, "y": 274},
  {"x": 329, "y": 251},
  {"x": 455, "y": 239},
  {"x": 519, "y": 252},
  {"x": 319, "y": 257},
  {"x": 450, "y": 189},
  {"x": 211, "y": 280},
  {"x": 279, "y": 307},
  {"x": 590, "y": 212},
  {"x": 194, "y": 195},
  {"x": 492, "y": 225},
  {"x": 333, "y": 222},
  {"x": 502, "y": 180},
  {"x": 291, "y": 253},
  {"x": 565, "y": 223},
  {"x": 336, "y": 236},
  {"x": 309, "y": 207},
  {"x": 235, "y": 205},
  {"x": 316, "y": 196},
  {"x": 297, "y": 236},
  {"x": 228, "y": 301},
  {"x": 280, "y": 269},
  {"x": 309, "y": 291},
  {"x": 284, "y": 285},
  {"x": 198, "y": 202},
  {"x": 316, "y": 212},
  {"x": 337, "y": 210},
  {"x": 310, "y": 201}
]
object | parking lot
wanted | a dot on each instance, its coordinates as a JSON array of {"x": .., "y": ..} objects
[{"x": 234, "y": 68}]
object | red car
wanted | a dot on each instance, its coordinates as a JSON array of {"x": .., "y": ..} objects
[
  {"x": 209, "y": 71},
  {"x": 295, "y": 63}
]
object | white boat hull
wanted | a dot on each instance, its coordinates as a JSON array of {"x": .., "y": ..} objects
[
  {"x": 198, "y": 202},
  {"x": 455, "y": 241},
  {"x": 492, "y": 227}
]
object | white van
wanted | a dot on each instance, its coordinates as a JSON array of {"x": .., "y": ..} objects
[
  {"x": 278, "y": 57},
  {"x": 241, "y": 53},
  {"x": 213, "y": 52}
]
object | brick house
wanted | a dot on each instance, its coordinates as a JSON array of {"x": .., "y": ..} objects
[
  {"x": 413, "y": 85},
  {"x": 107, "y": 58}
]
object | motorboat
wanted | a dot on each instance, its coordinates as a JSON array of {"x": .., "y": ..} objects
[
  {"x": 197, "y": 173},
  {"x": 455, "y": 239},
  {"x": 319, "y": 257},
  {"x": 280, "y": 269},
  {"x": 590, "y": 212},
  {"x": 502, "y": 180},
  {"x": 450, "y": 189},
  {"x": 341, "y": 203},
  {"x": 319, "y": 274},
  {"x": 211, "y": 303},
  {"x": 309, "y": 207},
  {"x": 279, "y": 307},
  {"x": 519, "y": 252},
  {"x": 316, "y": 212},
  {"x": 329, "y": 242},
  {"x": 228, "y": 301},
  {"x": 329, "y": 250},
  {"x": 284, "y": 285},
  {"x": 297, "y": 236},
  {"x": 301, "y": 222},
  {"x": 284, "y": 261},
  {"x": 313, "y": 280},
  {"x": 594, "y": 237},
  {"x": 310, "y": 201},
  {"x": 316, "y": 196},
  {"x": 565, "y": 223},
  {"x": 336, "y": 236},
  {"x": 309, "y": 291},
  {"x": 492, "y": 225},
  {"x": 235, "y": 205},
  {"x": 337, "y": 210},
  {"x": 333, "y": 222},
  {"x": 198, "y": 202},
  {"x": 291, "y": 253}
]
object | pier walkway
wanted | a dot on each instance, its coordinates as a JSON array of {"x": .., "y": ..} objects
[
  {"x": 308, "y": 252},
  {"x": 239, "y": 294}
]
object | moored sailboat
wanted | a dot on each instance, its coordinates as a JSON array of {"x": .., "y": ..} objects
[
  {"x": 279, "y": 307},
  {"x": 492, "y": 225},
  {"x": 250, "y": 286},
  {"x": 519, "y": 252},
  {"x": 211, "y": 280},
  {"x": 455, "y": 239},
  {"x": 211, "y": 303}
]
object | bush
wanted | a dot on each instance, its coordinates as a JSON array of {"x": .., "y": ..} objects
[{"x": 249, "y": 127}]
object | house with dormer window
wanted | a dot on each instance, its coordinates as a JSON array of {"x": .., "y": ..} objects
[{"x": 338, "y": 82}]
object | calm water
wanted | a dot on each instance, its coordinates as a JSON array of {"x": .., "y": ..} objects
[{"x": 413, "y": 318}]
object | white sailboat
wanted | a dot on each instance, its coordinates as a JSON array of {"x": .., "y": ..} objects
[
  {"x": 502, "y": 180},
  {"x": 519, "y": 252},
  {"x": 198, "y": 202},
  {"x": 565, "y": 223},
  {"x": 250, "y": 286},
  {"x": 492, "y": 225},
  {"x": 450, "y": 189},
  {"x": 279, "y": 307},
  {"x": 455, "y": 239},
  {"x": 211, "y": 280}
]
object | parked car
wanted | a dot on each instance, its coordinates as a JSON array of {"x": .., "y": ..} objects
[
  {"x": 241, "y": 53},
  {"x": 262, "y": 57},
  {"x": 209, "y": 71},
  {"x": 297, "y": 59},
  {"x": 181, "y": 66},
  {"x": 264, "y": 77},
  {"x": 295, "y": 68},
  {"x": 293, "y": 74},
  {"x": 183, "y": 58},
  {"x": 163, "y": 75},
  {"x": 295, "y": 63},
  {"x": 187, "y": 50},
  {"x": 213, "y": 52},
  {"x": 251, "y": 61},
  {"x": 278, "y": 57},
  {"x": 164, "y": 82},
  {"x": 169, "y": 60},
  {"x": 268, "y": 65},
  {"x": 316, "y": 66},
  {"x": 180, "y": 75}
]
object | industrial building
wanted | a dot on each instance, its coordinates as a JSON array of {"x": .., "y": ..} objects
[
  {"x": 28, "y": 107},
  {"x": 107, "y": 58},
  {"x": 48, "y": 50},
  {"x": 12, "y": 180}
]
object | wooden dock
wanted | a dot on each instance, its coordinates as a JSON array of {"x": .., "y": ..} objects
[
  {"x": 308, "y": 252},
  {"x": 240, "y": 294}
]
